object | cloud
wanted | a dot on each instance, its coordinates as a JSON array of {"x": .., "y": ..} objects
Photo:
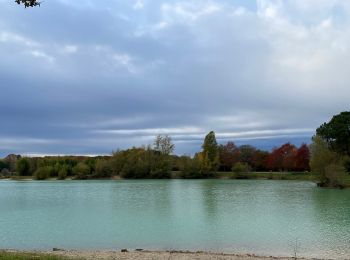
[
  {"x": 12, "y": 38},
  {"x": 98, "y": 76},
  {"x": 139, "y": 4},
  {"x": 43, "y": 55},
  {"x": 69, "y": 49}
]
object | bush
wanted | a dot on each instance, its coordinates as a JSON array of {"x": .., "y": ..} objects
[
  {"x": 161, "y": 166},
  {"x": 43, "y": 173},
  {"x": 5, "y": 173},
  {"x": 62, "y": 173},
  {"x": 335, "y": 175},
  {"x": 3, "y": 165},
  {"x": 240, "y": 171},
  {"x": 81, "y": 170},
  {"x": 103, "y": 168},
  {"x": 23, "y": 167},
  {"x": 241, "y": 168},
  {"x": 190, "y": 168},
  {"x": 346, "y": 161}
]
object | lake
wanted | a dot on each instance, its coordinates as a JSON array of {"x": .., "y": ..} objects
[{"x": 241, "y": 216}]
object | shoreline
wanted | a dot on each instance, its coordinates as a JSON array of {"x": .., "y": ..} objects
[{"x": 149, "y": 255}]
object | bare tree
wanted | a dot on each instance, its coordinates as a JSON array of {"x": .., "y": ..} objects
[{"x": 163, "y": 144}]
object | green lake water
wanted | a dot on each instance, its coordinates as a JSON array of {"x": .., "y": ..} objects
[{"x": 241, "y": 216}]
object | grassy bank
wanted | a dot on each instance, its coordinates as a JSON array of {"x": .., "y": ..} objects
[
  {"x": 268, "y": 175},
  {"x": 5, "y": 255},
  {"x": 220, "y": 175},
  {"x": 302, "y": 176}
]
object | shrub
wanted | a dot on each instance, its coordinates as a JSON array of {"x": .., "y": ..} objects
[
  {"x": 43, "y": 173},
  {"x": 5, "y": 172},
  {"x": 190, "y": 168},
  {"x": 335, "y": 174},
  {"x": 23, "y": 167},
  {"x": 81, "y": 170},
  {"x": 103, "y": 168},
  {"x": 62, "y": 173},
  {"x": 241, "y": 168}
]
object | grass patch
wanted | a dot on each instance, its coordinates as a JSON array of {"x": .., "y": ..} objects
[
  {"x": 347, "y": 181},
  {"x": 4, "y": 255},
  {"x": 305, "y": 176}
]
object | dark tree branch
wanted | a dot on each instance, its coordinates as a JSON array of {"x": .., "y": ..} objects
[{"x": 28, "y": 3}]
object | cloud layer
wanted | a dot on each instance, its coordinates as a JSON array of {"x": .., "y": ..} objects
[{"x": 88, "y": 77}]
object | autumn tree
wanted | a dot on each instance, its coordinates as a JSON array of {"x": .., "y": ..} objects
[
  {"x": 229, "y": 155},
  {"x": 246, "y": 153},
  {"x": 259, "y": 160},
  {"x": 302, "y": 158},
  {"x": 283, "y": 158}
]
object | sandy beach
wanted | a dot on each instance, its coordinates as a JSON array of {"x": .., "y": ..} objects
[{"x": 153, "y": 255}]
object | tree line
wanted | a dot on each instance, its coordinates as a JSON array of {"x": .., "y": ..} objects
[
  {"x": 328, "y": 158},
  {"x": 158, "y": 161}
]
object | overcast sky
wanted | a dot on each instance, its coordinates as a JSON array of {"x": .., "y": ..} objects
[{"x": 91, "y": 76}]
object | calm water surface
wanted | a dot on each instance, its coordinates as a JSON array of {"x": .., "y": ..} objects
[{"x": 256, "y": 216}]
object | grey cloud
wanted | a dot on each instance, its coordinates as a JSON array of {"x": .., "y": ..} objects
[{"x": 81, "y": 75}]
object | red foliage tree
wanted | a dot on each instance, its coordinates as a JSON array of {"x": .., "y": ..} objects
[
  {"x": 259, "y": 160},
  {"x": 283, "y": 158},
  {"x": 229, "y": 155},
  {"x": 302, "y": 158}
]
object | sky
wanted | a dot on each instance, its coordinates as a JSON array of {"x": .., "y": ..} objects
[{"x": 91, "y": 76}]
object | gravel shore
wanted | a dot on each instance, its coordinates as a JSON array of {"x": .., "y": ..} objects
[{"x": 155, "y": 255}]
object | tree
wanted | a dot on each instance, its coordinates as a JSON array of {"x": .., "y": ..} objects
[
  {"x": 246, "y": 153},
  {"x": 337, "y": 133},
  {"x": 62, "y": 172},
  {"x": 259, "y": 160},
  {"x": 103, "y": 168},
  {"x": 23, "y": 167},
  {"x": 282, "y": 158},
  {"x": 28, "y": 3},
  {"x": 3, "y": 165},
  {"x": 209, "y": 157},
  {"x": 162, "y": 161},
  {"x": 81, "y": 170},
  {"x": 190, "y": 168},
  {"x": 325, "y": 164},
  {"x": 302, "y": 158},
  {"x": 44, "y": 172},
  {"x": 163, "y": 144},
  {"x": 229, "y": 155},
  {"x": 11, "y": 160},
  {"x": 289, "y": 152}
]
